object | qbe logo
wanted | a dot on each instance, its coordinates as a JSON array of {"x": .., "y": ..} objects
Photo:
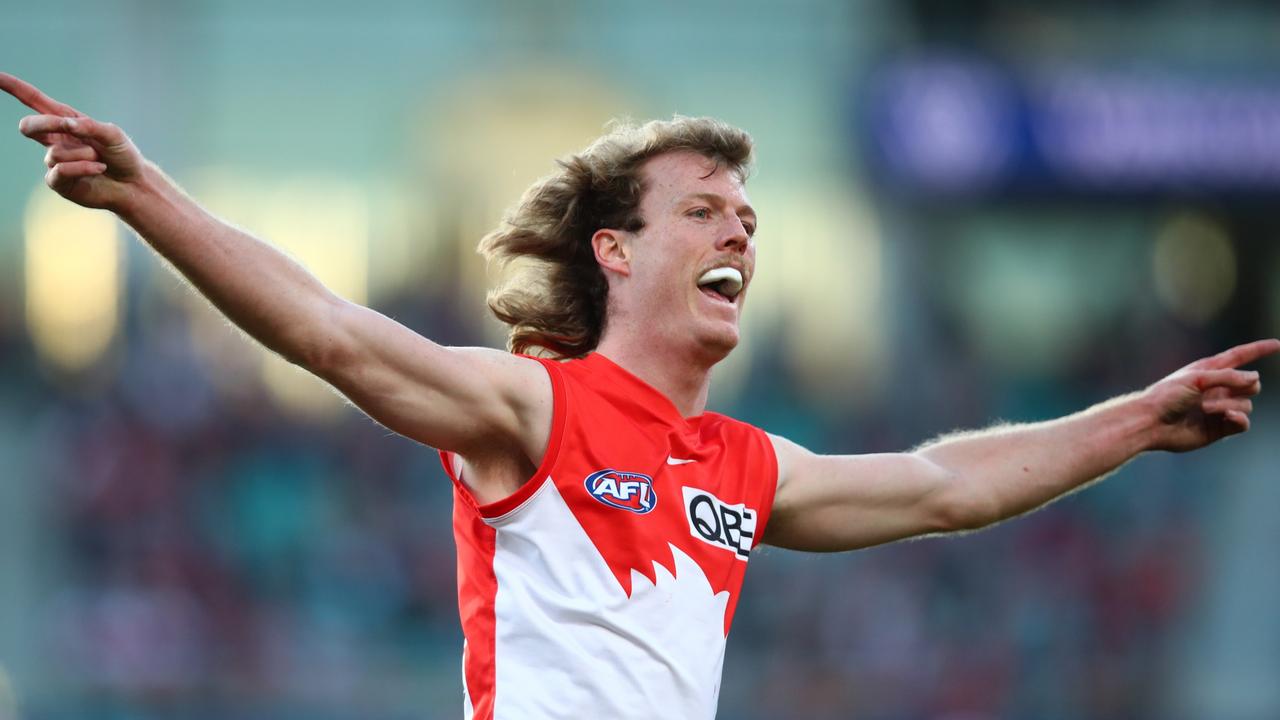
[
  {"x": 626, "y": 490},
  {"x": 713, "y": 521}
]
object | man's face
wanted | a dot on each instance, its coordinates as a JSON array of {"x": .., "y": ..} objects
[{"x": 697, "y": 221}]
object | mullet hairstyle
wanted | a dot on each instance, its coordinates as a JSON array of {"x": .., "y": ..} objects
[{"x": 553, "y": 294}]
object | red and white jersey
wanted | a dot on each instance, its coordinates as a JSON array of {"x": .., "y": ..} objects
[{"x": 604, "y": 587}]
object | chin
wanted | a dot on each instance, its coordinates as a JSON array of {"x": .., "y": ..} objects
[{"x": 716, "y": 345}]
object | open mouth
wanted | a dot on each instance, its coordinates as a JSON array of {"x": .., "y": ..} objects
[{"x": 722, "y": 283}]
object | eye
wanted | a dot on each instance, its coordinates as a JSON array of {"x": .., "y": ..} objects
[
  {"x": 750, "y": 228},
  {"x": 701, "y": 213}
]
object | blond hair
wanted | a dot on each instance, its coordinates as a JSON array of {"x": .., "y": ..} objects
[{"x": 554, "y": 294}]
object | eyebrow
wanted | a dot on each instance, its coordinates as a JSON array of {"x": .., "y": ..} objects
[{"x": 719, "y": 200}]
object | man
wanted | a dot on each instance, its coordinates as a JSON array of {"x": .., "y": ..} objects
[{"x": 603, "y": 518}]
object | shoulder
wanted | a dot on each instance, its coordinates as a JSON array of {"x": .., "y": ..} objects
[
  {"x": 790, "y": 456},
  {"x": 499, "y": 361},
  {"x": 523, "y": 409},
  {"x": 517, "y": 377},
  {"x": 519, "y": 399}
]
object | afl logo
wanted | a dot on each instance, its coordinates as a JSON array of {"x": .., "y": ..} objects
[{"x": 626, "y": 490}]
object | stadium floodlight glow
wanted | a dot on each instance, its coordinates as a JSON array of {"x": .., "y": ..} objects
[
  {"x": 324, "y": 223},
  {"x": 1194, "y": 267},
  {"x": 72, "y": 274}
]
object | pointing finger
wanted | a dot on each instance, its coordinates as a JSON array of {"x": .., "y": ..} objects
[
  {"x": 1243, "y": 354},
  {"x": 29, "y": 95}
]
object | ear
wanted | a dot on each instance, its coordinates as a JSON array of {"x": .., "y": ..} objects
[{"x": 613, "y": 250}]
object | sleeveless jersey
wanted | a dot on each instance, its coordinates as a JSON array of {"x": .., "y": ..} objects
[{"x": 604, "y": 587}]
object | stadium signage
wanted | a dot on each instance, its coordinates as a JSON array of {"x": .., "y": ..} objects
[{"x": 961, "y": 125}]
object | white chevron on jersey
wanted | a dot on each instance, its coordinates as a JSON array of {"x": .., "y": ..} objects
[{"x": 609, "y": 655}]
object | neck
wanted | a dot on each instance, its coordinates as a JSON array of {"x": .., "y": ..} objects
[{"x": 683, "y": 377}]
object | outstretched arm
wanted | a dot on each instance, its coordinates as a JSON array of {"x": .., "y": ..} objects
[
  {"x": 456, "y": 399},
  {"x": 971, "y": 480}
]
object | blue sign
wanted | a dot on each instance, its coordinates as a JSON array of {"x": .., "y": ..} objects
[{"x": 960, "y": 126}]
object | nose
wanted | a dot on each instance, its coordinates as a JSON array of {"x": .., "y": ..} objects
[{"x": 735, "y": 237}]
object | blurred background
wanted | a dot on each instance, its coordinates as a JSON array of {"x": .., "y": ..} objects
[{"x": 970, "y": 212}]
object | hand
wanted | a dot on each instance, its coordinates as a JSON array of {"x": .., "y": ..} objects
[
  {"x": 1208, "y": 399},
  {"x": 91, "y": 163}
]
